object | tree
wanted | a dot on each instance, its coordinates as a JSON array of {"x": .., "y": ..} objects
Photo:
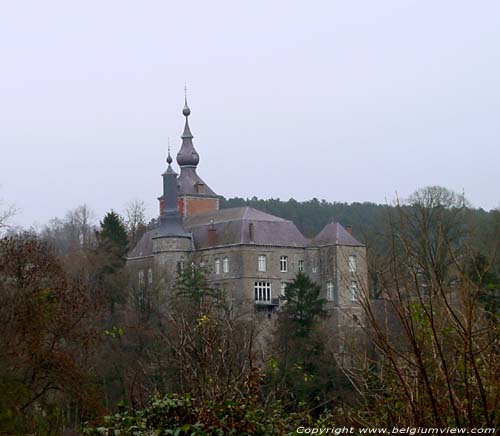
[
  {"x": 303, "y": 305},
  {"x": 297, "y": 373},
  {"x": 438, "y": 361},
  {"x": 113, "y": 234},
  {"x": 46, "y": 339},
  {"x": 75, "y": 232},
  {"x": 209, "y": 348},
  {"x": 135, "y": 221},
  {"x": 5, "y": 215}
]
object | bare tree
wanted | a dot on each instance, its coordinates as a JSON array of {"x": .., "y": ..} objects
[
  {"x": 437, "y": 339},
  {"x": 75, "y": 231},
  {"x": 6, "y": 213},
  {"x": 135, "y": 220}
]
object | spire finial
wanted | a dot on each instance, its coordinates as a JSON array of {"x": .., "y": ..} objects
[
  {"x": 169, "y": 158},
  {"x": 186, "y": 111}
]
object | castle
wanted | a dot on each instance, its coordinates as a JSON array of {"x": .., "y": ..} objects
[{"x": 249, "y": 253}]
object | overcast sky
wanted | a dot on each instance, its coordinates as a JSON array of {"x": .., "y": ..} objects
[{"x": 341, "y": 100}]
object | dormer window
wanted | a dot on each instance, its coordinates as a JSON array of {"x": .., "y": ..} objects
[{"x": 200, "y": 188}]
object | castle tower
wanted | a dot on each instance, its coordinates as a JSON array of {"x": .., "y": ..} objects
[
  {"x": 171, "y": 243},
  {"x": 195, "y": 196}
]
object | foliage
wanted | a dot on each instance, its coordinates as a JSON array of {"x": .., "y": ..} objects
[
  {"x": 299, "y": 369},
  {"x": 113, "y": 234},
  {"x": 303, "y": 305},
  {"x": 46, "y": 338},
  {"x": 205, "y": 347},
  {"x": 183, "y": 415},
  {"x": 437, "y": 330}
]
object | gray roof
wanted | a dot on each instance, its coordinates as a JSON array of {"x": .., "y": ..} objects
[
  {"x": 144, "y": 247},
  {"x": 333, "y": 234},
  {"x": 189, "y": 181},
  {"x": 233, "y": 228},
  {"x": 188, "y": 158}
]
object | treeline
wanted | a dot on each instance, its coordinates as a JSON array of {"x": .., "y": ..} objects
[{"x": 368, "y": 220}]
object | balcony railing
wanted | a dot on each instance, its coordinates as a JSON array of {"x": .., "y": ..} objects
[{"x": 272, "y": 302}]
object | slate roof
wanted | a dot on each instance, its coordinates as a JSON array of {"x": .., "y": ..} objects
[
  {"x": 188, "y": 180},
  {"x": 233, "y": 228},
  {"x": 144, "y": 247},
  {"x": 335, "y": 233}
]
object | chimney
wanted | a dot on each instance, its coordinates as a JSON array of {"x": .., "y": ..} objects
[
  {"x": 349, "y": 229},
  {"x": 212, "y": 234},
  {"x": 250, "y": 231}
]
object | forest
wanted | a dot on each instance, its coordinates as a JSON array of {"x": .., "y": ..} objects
[{"x": 85, "y": 349}]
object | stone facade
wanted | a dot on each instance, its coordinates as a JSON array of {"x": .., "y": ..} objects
[{"x": 249, "y": 253}]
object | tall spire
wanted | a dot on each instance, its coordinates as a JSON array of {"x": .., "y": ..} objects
[{"x": 187, "y": 156}]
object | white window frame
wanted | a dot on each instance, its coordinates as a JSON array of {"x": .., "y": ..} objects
[
  {"x": 314, "y": 269},
  {"x": 329, "y": 291},
  {"x": 263, "y": 292},
  {"x": 284, "y": 263},
  {"x": 225, "y": 265},
  {"x": 354, "y": 291},
  {"x": 353, "y": 263},
  {"x": 217, "y": 266},
  {"x": 300, "y": 265},
  {"x": 262, "y": 263},
  {"x": 150, "y": 276}
]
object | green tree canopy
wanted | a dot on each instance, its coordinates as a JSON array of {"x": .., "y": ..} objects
[
  {"x": 113, "y": 234},
  {"x": 303, "y": 304}
]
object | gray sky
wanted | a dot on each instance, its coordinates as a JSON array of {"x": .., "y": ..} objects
[{"x": 341, "y": 100}]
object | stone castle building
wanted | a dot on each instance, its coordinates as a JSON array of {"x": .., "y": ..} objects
[{"x": 249, "y": 253}]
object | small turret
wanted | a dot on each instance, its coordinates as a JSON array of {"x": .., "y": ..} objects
[{"x": 170, "y": 218}]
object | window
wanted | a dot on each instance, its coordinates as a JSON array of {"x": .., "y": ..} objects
[
  {"x": 284, "y": 263},
  {"x": 261, "y": 263},
  {"x": 315, "y": 269},
  {"x": 262, "y": 291},
  {"x": 354, "y": 291},
  {"x": 329, "y": 291},
  {"x": 217, "y": 266},
  {"x": 150, "y": 276},
  {"x": 283, "y": 288},
  {"x": 180, "y": 267},
  {"x": 353, "y": 264},
  {"x": 225, "y": 265},
  {"x": 301, "y": 265},
  {"x": 140, "y": 277}
]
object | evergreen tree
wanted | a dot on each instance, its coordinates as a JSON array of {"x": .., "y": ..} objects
[
  {"x": 113, "y": 234},
  {"x": 299, "y": 373},
  {"x": 303, "y": 304}
]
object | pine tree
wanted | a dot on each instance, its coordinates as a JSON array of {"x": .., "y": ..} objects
[
  {"x": 303, "y": 305},
  {"x": 113, "y": 234}
]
